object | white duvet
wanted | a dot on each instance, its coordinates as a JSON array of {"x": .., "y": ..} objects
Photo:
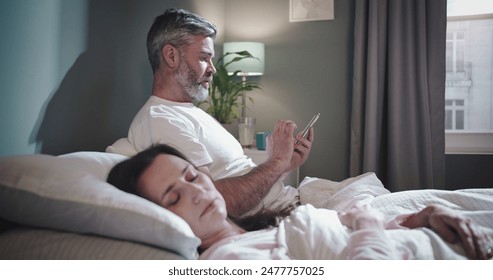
[
  {"x": 314, "y": 231},
  {"x": 307, "y": 238}
]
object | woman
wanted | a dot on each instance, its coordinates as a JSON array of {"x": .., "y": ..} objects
[{"x": 164, "y": 176}]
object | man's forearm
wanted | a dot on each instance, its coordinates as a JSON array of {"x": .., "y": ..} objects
[{"x": 244, "y": 192}]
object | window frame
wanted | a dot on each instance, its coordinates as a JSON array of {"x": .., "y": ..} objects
[{"x": 470, "y": 142}]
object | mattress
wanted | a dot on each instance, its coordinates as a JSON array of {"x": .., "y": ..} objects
[{"x": 26, "y": 243}]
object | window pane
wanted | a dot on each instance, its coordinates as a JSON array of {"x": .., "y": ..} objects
[
  {"x": 469, "y": 65},
  {"x": 450, "y": 56},
  {"x": 459, "y": 54},
  {"x": 460, "y": 35},
  {"x": 459, "y": 120},
  {"x": 448, "y": 119}
]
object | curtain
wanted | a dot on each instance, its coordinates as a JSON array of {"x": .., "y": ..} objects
[{"x": 397, "y": 122}]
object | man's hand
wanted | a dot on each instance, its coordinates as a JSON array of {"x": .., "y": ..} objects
[
  {"x": 302, "y": 149},
  {"x": 280, "y": 144},
  {"x": 453, "y": 228}
]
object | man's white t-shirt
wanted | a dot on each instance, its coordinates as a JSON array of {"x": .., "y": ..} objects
[{"x": 193, "y": 132}]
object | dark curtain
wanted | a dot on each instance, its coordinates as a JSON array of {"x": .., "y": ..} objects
[{"x": 397, "y": 125}]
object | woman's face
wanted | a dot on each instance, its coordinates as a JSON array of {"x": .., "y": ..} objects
[{"x": 178, "y": 186}]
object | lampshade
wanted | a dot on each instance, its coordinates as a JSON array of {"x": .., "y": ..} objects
[{"x": 247, "y": 66}]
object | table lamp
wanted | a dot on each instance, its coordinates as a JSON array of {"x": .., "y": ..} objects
[{"x": 247, "y": 67}]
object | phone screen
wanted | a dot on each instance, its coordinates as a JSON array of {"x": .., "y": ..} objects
[{"x": 304, "y": 134}]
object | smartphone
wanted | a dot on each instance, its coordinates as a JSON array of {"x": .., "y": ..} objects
[{"x": 304, "y": 134}]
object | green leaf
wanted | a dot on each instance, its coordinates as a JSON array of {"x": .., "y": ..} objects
[{"x": 226, "y": 89}]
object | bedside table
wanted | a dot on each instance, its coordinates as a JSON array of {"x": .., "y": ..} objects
[{"x": 259, "y": 156}]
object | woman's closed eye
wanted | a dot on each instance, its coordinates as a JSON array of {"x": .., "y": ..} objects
[
  {"x": 171, "y": 198},
  {"x": 172, "y": 195}
]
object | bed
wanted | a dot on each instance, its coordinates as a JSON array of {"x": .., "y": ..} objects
[{"x": 60, "y": 207}]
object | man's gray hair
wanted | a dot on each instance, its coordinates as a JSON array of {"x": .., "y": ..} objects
[{"x": 174, "y": 27}]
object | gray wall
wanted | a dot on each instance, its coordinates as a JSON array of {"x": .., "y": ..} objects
[
  {"x": 308, "y": 70},
  {"x": 74, "y": 72},
  {"x": 41, "y": 40}
]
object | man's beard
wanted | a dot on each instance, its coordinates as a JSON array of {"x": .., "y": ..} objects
[{"x": 191, "y": 82}]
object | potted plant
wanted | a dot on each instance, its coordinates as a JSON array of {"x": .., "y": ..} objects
[{"x": 227, "y": 88}]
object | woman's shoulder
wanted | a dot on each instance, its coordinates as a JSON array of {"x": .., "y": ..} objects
[{"x": 247, "y": 246}]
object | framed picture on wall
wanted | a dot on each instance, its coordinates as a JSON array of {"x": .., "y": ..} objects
[{"x": 311, "y": 10}]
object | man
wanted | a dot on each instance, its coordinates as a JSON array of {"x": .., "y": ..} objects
[{"x": 181, "y": 48}]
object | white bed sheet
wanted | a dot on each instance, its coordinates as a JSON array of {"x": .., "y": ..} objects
[{"x": 366, "y": 189}]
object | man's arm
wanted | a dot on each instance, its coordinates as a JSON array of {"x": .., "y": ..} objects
[{"x": 242, "y": 193}]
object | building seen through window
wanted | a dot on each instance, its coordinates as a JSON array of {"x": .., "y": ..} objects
[{"x": 469, "y": 65}]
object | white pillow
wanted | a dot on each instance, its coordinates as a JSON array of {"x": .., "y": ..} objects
[
  {"x": 123, "y": 147},
  {"x": 70, "y": 193}
]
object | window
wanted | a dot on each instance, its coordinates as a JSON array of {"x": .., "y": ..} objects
[
  {"x": 455, "y": 51},
  {"x": 454, "y": 114},
  {"x": 469, "y": 71}
]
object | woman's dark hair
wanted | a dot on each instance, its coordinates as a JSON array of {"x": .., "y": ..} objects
[
  {"x": 264, "y": 219},
  {"x": 125, "y": 176}
]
